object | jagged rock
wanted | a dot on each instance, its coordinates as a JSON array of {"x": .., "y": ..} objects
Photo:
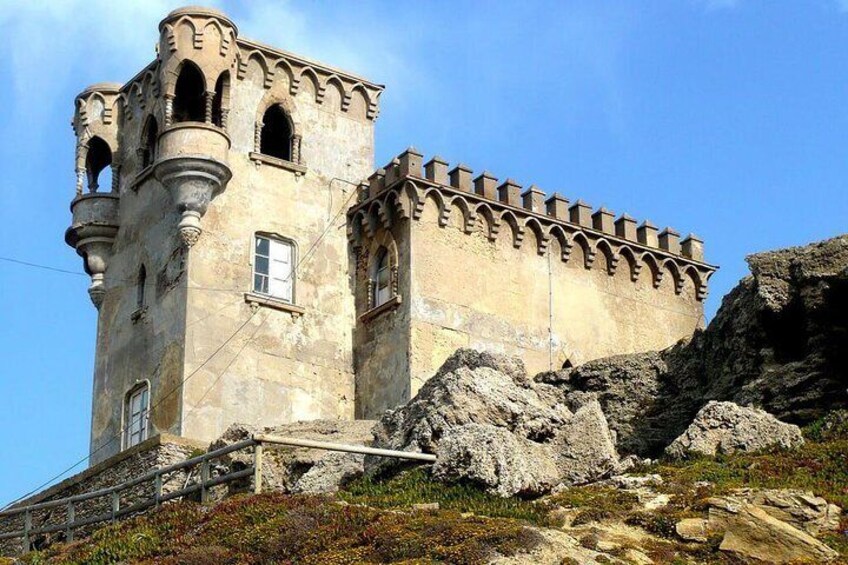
[
  {"x": 532, "y": 439},
  {"x": 284, "y": 468},
  {"x": 752, "y": 533},
  {"x": 495, "y": 458},
  {"x": 330, "y": 472},
  {"x": 724, "y": 427},
  {"x": 779, "y": 342},
  {"x": 554, "y": 548},
  {"x": 798, "y": 508}
]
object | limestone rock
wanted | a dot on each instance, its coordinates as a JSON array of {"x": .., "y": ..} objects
[
  {"x": 724, "y": 427},
  {"x": 298, "y": 469},
  {"x": 493, "y": 457},
  {"x": 798, "y": 508},
  {"x": 692, "y": 529},
  {"x": 752, "y": 533},
  {"x": 330, "y": 472},
  {"x": 488, "y": 423},
  {"x": 554, "y": 548}
]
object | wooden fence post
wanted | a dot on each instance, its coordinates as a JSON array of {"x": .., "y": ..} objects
[
  {"x": 257, "y": 468},
  {"x": 27, "y": 528},
  {"x": 69, "y": 531},
  {"x": 204, "y": 476},
  {"x": 157, "y": 489},
  {"x": 116, "y": 505}
]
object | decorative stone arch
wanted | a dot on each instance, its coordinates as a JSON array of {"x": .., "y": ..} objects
[
  {"x": 382, "y": 246},
  {"x": 633, "y": 263},
  {"x": 671, "y": 266},
  {"x": 400, "y": 203},
  {"x": 379, "y": 215},
  {"x": 542, "y": 237},
  {"x": 105, "y": 113},
  {"x": 344, "y": 97},
  {"x": 284, "y": 102},
  {"x": 317, "y": 85},
  {"x": 185, "y": 96},
  {"x": 610, "y": 255},
  {"x": 517, "y": 228},
  {"x": 283, "y": 65},
  {"x": 469, "y": 216},
  {"x": 654, "y": 267},
  {"x": 244, "y": 62},
  {"x": 355, "y": 225},
  {"x": 97, "y": 155},
  {"x": 442, "y": 210},
  {"x": 226, "y": 36},
  {"x": 147, "y": 147},
  {"x": 221, "y": 101},
  {"x": 557, "y": 232},
  {"x": 119, "y": 108},
  {"x": 588, "y": 251},
  {"x": 492, "y": 222}
]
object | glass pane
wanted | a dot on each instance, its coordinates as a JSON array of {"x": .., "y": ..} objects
[
  {"x": 261, "y": 265},
  {"x": 262, "y": 245}
]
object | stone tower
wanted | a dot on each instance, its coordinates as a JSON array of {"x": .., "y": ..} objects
[{"x": 217, "y": 252}]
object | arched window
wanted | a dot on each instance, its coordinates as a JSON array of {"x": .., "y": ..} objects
[
  {"x": 273, "y": 267},
  {"x": 221, "y": 101},
  {"x": 137, "y": 415},
  {"x": 99, "y": 157},
  {"x": 150, "y": 137},
  {"x": 381, "y": 278},
  {"x": 189, "y": 95},
  {"x": 142, "y": 281},
  {"x": 276, "y": 136}
]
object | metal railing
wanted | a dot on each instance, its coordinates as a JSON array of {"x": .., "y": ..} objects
[{"x": 202, "y": 485}]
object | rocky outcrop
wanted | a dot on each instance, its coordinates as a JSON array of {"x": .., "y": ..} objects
[
  {"x": 489, "y": 423},
  {"x": 751, "y": 533},
  {"x": 289, "y": 469},
  {"x": 778, "y": 342},
  {"x": 724, "y": 427}
]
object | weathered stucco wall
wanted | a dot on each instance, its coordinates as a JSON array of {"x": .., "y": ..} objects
[{"x": 468, "y": 291}]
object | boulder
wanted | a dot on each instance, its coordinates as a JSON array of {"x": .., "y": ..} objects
[
  {"x": 779, "y": 342},
  {"x": 753, "y": 534},
  {"x": 692, "y": 529},
  {"x": 724, "y": 427},
  {"x": 496, "y": 459},
  {"x": 489, "y": 423},
  {"x": 296, "y": 469},
  {"x": 801, "y": 509}
]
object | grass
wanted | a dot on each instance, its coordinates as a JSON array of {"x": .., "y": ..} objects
[{"x": 280, "y": 529}]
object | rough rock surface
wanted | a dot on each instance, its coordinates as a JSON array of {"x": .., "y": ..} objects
[
  {"x": 533, "y": 439},
  {"x": 797, "y": 508},
  {"x": 752, "y": 533},
  {"x": 300, "y": 469},
  {"x": 779, "y": 342},
  {"x": 724, "y": 427}
]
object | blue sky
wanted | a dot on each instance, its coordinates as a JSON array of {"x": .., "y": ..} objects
[{"x": 722, "y": 117}]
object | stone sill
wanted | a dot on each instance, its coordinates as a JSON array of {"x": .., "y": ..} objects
[
  {"x": 141, "y": 177},
  {"x": 259, "y": 158},
  {"x": 257, "y": 299},
  {"x": 390, "y": 304}
]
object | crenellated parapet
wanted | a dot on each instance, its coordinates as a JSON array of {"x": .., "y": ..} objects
[{"x": 400, "y": 191}]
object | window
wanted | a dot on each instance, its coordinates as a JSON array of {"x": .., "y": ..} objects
[
  {"x": 98, "y": 158},
  {"x": 190, "y": 95},
  {"x": 142, "y": 281},
  {"x": 137, "y": 413},
  {"x": 275, "y": 139},
  {"x": 273, "y": 267},
  {"x": 150, "y": 138},
  {"x": 382, "y": 278},
  {"x": 221, "y": 101}
]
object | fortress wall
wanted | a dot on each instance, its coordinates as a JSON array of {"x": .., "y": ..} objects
[
  {"x": 292, "y": 367},
  {"x": 472, "y": 292}
]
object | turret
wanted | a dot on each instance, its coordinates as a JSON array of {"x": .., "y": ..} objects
[
  {"x": 95, "y": 206},
  {"x": 197, "y": 50}
]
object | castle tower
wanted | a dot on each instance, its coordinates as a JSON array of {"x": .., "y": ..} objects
[{"x": 217, "y": 251}]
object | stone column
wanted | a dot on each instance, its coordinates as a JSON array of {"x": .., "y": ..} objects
[
  {"x": 210, "y": 102},
  {"x": 257, "y": 137},
  {"x": 116, "y": 176},
  {"x": 225, "y": 114},
  {"x": 169, "y": 109},
  {"x": 295, "y": 148},
  {"x": 80, "y": 180}
]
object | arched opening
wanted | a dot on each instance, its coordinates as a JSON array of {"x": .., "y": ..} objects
[
  {"x": 381, "y": 278},
  {"x": 142, "y": 282},
  {"x": 221, "y": 102},
  {"x": 189, "y": 95},
  {"x": 275, "y": 139},
  {"x": 98, "y": 158},
  {"x": 150, "y": 137}
]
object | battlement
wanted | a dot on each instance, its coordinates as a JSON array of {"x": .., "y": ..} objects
[{"x": 401, "y": 188}]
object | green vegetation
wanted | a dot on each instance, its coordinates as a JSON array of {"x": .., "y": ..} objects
[{"x": 279, "y": 529}]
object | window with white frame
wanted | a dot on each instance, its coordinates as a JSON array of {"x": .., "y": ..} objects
[
  {"x": 273, "y": 267},
  {"x": 382, "y": 278},
  {"x": 137, "y": 414}
]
